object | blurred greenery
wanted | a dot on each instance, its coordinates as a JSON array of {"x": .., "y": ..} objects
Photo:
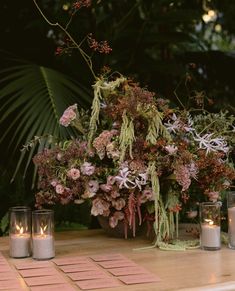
[{"x": 162, "y": 44}]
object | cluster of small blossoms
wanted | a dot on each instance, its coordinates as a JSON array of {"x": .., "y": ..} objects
[
  {"x": 101, "y": 47},
  {"x": 113, "y": 198},
  {"x": 81, "y": 3},
  {"x": 69, "y": 115}
]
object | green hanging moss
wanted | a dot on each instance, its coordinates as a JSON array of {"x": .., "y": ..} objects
[
  {"x": 95, "y": 110},
  {"x": 155, "y": 128},
  {"x": 156, "y": 191},
  {"x": 101, "y": 88},
  {"x": 127, "y": 136}
]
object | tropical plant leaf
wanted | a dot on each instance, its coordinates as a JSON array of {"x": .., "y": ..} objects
[{"x": 32, "y": 100}]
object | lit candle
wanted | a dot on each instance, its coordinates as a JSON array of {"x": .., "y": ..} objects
[
  {"x": 20, "y": 243},
  {"x": 43, "y": 245},
  {"x": 210, "y": 235},
  {"x": 231, "y": 226}
]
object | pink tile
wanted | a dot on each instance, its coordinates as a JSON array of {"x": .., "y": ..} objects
[
  {"x": 8, "y": 275},
  {"x": 128, "y": 271},
  {"x": 46, "y": 280},
  {"x": 87, "y": 275},
  {"x": 33, "y": 265},
  {"x": 38, "y": 272},
  {"x": 78, "y": 268},
  {"x": 10, "y": 284},
  {"x": 140, "y": 278},
  {"x": 116, "y": 264},
  {"x": 107, "y": 257},
  {"x": 98, "y": 283},
  {"x": 70, "y": 261},
  {"x": 64, "y": 287}
]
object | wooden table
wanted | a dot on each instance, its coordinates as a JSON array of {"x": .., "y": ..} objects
[{"x": 178, "y": 270}]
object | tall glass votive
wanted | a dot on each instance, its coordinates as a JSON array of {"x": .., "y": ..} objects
[
  {"x": 43, "y": 234},
  {"x": 231, "y": 219},
  {"x": 20, "y": 231},
  {"x": 210, "y": 226}
]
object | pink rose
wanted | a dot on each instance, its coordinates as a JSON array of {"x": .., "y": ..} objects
[
  {"x": 105, "y": 187},
  {"x": 73, "y": 173},
  {"x": 54, "y": 182},
  {"x": 119, "y": 203},
  {"x": 59, "y": 189},
  {"x": 69, "y": 115},
  {"x": 99, "y": 207}
]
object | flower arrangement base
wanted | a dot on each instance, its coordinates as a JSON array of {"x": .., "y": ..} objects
[{"x": 119, "y": 230}]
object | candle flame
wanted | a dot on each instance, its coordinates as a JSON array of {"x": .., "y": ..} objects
[
  {"x": 43, "y": 229},
  {"x": 209, "y": 221},
  {"x": 20, "y": 229}
]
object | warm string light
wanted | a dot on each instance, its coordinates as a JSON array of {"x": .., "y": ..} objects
[{"x": 211, "y": 15}]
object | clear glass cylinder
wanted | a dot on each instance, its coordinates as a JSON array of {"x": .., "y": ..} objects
[
  {"x": 20, "y": 231},
  {"x": 210, "y": 226},
  {"x": 231, "y": 219},
  {"x": 43, "y": 234}
]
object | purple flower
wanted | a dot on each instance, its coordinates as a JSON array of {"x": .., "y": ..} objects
[{"x": 87, "y": 169}]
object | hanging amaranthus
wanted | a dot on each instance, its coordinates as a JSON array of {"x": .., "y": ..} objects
[
  {"x": 101, "y": 88},
  {"x": 127, "y": 136}
]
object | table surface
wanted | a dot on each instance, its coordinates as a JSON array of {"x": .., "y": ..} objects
[{"x": 178, "y": 270}]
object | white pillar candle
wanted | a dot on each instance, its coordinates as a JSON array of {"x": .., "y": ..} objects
[
  {"x": 231, "y": 226},
  {"x": 43, "y": 247},
  {"x": 210, "y": 236},
  {"x": 20, "y": 245}
]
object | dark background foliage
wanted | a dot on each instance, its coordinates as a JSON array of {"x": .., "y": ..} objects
[{"x": 165, "y": 45}]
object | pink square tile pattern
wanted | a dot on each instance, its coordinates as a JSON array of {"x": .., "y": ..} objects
[
  {"x": 89, "y": 275},
  {"x": 38, "y": 272},
  {"x": 45, "y": 280},
  {"x": 33, "y": 265},
  {"x": 110, "y": 257},
  {"x": 56, "y": 287},
  {"x": 140, "y": 278},
  {"x": 98, "y": 283},
  {"x": 78, "y": 268},
  {"x": 117, "y": 264},
  {"x": 127, "y": 271},
  {"x": 70, "y": 261}
]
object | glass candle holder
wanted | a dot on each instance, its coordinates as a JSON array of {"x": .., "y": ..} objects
[
  {"x": 43, "y": 234},
  {"x": 210, "y": 226},
  {"x": 20, "y": 231},
  {"x": 231, "y": 219}
]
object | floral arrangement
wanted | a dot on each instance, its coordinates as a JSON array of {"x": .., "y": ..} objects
[{"x": 138, "y": 159}]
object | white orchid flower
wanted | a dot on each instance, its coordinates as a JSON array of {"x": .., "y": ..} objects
[
  {"x": 123, "y": 179},
  {"x": 209, "y": 144},
  {"x": 141, "y": 180}
]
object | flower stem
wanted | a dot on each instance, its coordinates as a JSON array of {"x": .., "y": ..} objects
[{"x": 86, "y": 58}]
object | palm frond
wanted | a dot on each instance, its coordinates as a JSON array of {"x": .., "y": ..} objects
[{"x": 32, "y": 100}]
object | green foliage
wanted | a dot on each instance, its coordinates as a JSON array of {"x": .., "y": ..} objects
[
  {"x": 4, "y": 223},
  {"x": 33, "y": 98}
]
